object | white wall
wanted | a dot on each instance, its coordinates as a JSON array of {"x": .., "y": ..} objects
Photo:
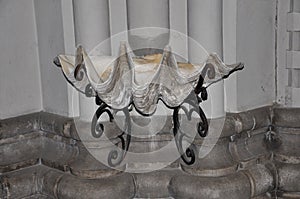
[
  {"x": 253, "y": 25},
  {"x": 31, "y": 36},
  {"x": 256, "y": 47},
  {"x": 20, "y": 90},
  {"x": 248, "y": 36},
  {"x": 51, "y": 43}
]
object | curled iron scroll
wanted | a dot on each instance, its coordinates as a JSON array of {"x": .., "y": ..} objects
[
  {"x": 188, "y": 156},
  {"x": 117, "y": 154}
]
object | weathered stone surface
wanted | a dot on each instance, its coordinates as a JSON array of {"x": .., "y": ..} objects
[
  {"x": 264, "y": 196},
  {"x": 218, "y": 162},
  {"x": 23, "y": 183},
  {"x": 289, "y": 177},
  {"x": 41, "y": 156},
  {"x": 39, "y": 196},
  {"x": 159, "y": 181},
  {"x": 289, "y": 195},
  {"x": 235, "y": 186},
  {"x": 120, "y": 186},
  {"x": 228, "y": 156},
  {"x": 44, "y": 182},
  {"x": 19, "y": 125},
  {"x": 287, "y": 117},
  {"x": 36, "y": 145},
  {"x": 289, "y": 149},
  {"x": 251, "y": 146},
  {"x": 247, "y": 121},
  {"x": 261, "y": 179},
  {"x": 56, "y": 124},
  {"x": 243, "y": 184}
]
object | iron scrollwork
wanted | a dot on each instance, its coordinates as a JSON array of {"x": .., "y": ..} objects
[
  {"x": 116, "y": 156},
  {"x": 194, "y": 100},
  {"x": 81, "y": 73}
]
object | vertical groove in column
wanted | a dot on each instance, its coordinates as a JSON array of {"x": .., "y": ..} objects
[
  {"x": 178, "y": 27},
  {"x": 69, "y": 43},
  {"x": 205, "y": 26},
  {"x": 92, "y": 27},
  {"x": 230, "y": 52},
  {"x": 118, "y": 24},
  {"x": 91, "y": 20},
  {"x": 151, "y": 21}
]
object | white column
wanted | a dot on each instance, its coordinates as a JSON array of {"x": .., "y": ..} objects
[
  {"x": 178, "y": 26},
  {"x": 205, "y": 26},
  {"x": 69, "y": 43},
  {"x": 118, "y": 24},
  {"x": 153, "y": 16},
  {"x": 145, "y": 13},
  {"x": 92, "y": 23},
  {"x": 91, "y": 28},
  {"x": 230, "y": 53}
]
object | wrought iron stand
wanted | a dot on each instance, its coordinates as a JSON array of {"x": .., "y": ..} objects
[{"x": 199, "y": 94}]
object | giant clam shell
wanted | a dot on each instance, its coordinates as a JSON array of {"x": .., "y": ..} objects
[{"x": 126, "y": 79}]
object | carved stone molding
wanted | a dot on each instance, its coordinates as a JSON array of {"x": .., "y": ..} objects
[{"x": 41, "y": 156}]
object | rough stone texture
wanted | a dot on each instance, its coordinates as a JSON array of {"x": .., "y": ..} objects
[
  {"x": 289, "y": 195},
  {"x": 289, "y": 177},
  {"x": 19, "y": 125},
  {"x": 243, "y": 184},
  {"x": 121, "y": 186},
  {"x": 247, "y": 121},
  {"x": 51, "y": 183},
  {"x": 289, "y": 148},
  {"x": 159, "y": 181},
  {"x": 287, "y": 117},
  {"x": 41, "y": 156},
  {"x": 218, "y": 162},
  {"x": 187, "y": 186}
]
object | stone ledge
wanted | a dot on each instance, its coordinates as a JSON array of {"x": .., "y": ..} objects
[
  {"x": 64, "y": 126},
  {"x": 43, "y": 181},
  {"x": 244, "y": 184},
  {"x": 226, "y": 156},
  {"x": 50, "y": 135},
  {"x": 287, "y": 117}
]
